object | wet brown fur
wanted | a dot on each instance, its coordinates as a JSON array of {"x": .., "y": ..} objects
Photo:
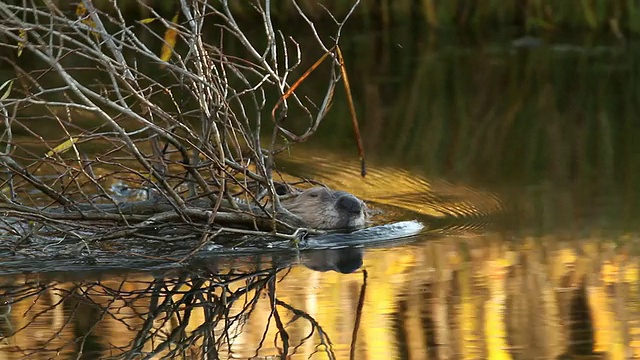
[{"x": 323, "y": 208}]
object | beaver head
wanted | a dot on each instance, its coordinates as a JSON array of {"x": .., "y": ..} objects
[{"x": 323, "y": 208}]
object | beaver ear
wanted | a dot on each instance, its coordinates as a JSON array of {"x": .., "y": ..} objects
[{"x": 281, "y": 189}]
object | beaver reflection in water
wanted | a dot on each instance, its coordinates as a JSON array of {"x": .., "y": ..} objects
[{"x": 323, "y": 208}]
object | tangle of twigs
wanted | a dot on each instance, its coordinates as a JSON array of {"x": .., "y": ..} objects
[{"x": 178, "y": 130}]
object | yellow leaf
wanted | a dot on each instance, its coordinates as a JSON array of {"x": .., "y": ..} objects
[
  {"x": 81, "y": 10},
  {"x": 63, "y": 147},
  {"x": 89, "y": 22},
  {"x": 22, "y": 42},
  {"x": 170, "y": 37},
  {"x": 147, "y": 20}
]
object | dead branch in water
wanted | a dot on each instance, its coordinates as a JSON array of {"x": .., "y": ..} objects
[{"x": 178, "y": 129}]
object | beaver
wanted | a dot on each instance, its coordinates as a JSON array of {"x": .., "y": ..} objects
[{"x": 323, "y": 208}]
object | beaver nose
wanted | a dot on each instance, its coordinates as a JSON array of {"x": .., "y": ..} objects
[{"x": 350, "y": 204}]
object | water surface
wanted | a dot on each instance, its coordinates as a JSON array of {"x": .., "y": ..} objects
[{"x": 522, "y": 164}]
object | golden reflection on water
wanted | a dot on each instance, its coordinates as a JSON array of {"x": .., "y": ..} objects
[
  {"x": 395, "y": 187},
  {"x": 469, "y": 294},
  {"x": 456, "y": 297},
  {"x": 475, "y": 293}
]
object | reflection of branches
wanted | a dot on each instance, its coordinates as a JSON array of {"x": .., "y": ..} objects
[
  {"x": 284, "y": 336},
  {"x": 325, "y": 341},
  {"x": 352, "y": 352},
  {"x": 200, "y": 296},
  {"x": 202, "y": 314},
  {"x": 187, "y": 130}
]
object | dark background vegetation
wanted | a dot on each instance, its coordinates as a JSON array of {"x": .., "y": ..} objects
[
  {"x": 454, "y": 89},
  {"x": 475, "y": 15},
  {"x": 502, "y": 94}
]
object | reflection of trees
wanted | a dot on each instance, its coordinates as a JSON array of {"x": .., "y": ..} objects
[
  {"x": 454, "y": 297},
  {"x": 484, "y": 297}
]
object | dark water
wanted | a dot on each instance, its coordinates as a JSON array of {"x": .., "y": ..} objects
[{"x": 538, "y": 143}]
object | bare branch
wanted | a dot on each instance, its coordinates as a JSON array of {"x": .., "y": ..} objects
[{"x": 136, "y": 141}]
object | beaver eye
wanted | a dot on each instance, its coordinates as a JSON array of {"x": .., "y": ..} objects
[{"x": 313, "y": 195}]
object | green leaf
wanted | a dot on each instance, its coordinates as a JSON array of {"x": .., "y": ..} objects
[
  {"x": 9, "y": 85},
  {"x": 63, "y": 147}
]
